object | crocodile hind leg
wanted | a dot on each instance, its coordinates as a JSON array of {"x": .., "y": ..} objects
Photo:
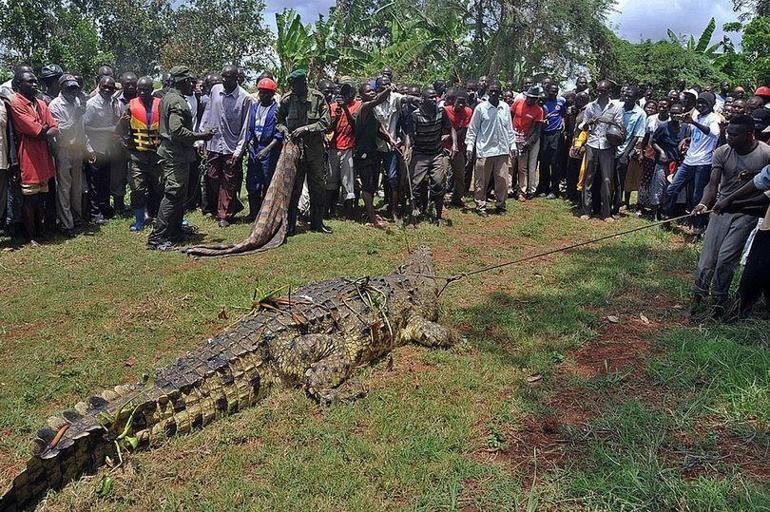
[
  {"x": 429, "y": 334},
  {"x": 325, "y": 381},
  {"x": 320, "y": 364}
]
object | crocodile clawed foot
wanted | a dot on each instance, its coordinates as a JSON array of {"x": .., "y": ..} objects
[{"x": 327, "y": 397}]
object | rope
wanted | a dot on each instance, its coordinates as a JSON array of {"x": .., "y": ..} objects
[{"x": 458, "y": 277}]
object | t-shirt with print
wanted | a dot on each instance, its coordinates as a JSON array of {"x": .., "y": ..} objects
[
  {"x": 344, "y": 137},
  {"x": 737, "y": 169},
  {"x": 458, "y": 120},
  {"x": 702, "y": 146},
  {"x": 555, "y": 110},
  {"x": 524, "y": 116}
]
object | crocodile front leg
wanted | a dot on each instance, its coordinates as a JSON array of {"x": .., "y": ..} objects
[{"x": 428, "y": 334}]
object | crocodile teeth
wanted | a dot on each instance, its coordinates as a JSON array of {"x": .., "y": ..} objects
[{"x": 109, "y": 395}]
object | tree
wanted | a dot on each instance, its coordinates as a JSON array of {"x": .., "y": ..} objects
[
  {"x": 661, "y": 64},
  {"x": 134, "y": 32},
  {"x": 321, "y": 48},
  {"x": 703, "y": 45},
  {"x": 207, "y": 34},
  {"x": 756, "y": 49},
  {"x": 42, "y": 32}
]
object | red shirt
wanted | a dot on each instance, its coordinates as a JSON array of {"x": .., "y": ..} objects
[
  {"x": 344, "y": 135},
  {"x": 524, "y": 116},
  {"x": 459, "y": 120},
  {"x": 35, "y": 159}
]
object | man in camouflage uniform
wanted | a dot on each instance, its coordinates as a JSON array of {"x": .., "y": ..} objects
[
  {"x": 176, "y": 151},
  {"x": 303, "y": 115}
]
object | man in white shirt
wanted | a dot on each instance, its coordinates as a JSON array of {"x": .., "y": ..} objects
[
  {"x": 70, "y": 149},
  {"x": 697, "y": 162},
  {"x": 388, "y": 113},
  {"x": 598, "y": 117},
  {"x": 491, "y": 134}
]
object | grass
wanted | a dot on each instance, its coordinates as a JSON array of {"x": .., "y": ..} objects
[{"x": 681, "y": 426}]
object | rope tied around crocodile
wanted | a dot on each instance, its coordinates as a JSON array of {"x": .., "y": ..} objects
[{"x": 457, "y": 277}]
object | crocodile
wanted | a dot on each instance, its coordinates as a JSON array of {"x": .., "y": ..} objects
[{"x": 314, "y": 339}]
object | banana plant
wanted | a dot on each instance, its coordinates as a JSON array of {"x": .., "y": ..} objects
[
  {"x": 316, "y": 46},
  {"x": 702, "y": 45}
]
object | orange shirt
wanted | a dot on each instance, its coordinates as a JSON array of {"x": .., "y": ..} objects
[{"x": 524, "y": 116}]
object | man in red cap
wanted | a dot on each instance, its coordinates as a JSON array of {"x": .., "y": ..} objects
[{"x": 264, "y": 144}]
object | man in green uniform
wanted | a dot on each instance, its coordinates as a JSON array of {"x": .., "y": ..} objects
[
  {"x": 303, "y": 115},
  {"x": 176, "y": 152}
]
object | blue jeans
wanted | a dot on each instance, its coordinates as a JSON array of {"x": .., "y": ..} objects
[{"x": 699, "y": 174}]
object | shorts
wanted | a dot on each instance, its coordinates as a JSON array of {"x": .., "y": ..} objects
[
  {"x": 30, "y": 189},
  {"x": 368, "y": 172}
]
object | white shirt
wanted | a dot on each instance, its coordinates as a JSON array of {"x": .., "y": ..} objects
[
  {"x": 652, "y": 123},
  {"x": 702, "y": 146},
  {"x": 597, "y": 136},
  {"x": 3, "y": 138},
  {"x": 6, "y": 88},
  {"x": 69, "y": 119},
  {"x": 490, "y": 130},
  {"x": 387, "y": 113}
]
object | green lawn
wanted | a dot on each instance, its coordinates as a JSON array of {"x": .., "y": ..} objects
[{"x": 646, "y": 413}]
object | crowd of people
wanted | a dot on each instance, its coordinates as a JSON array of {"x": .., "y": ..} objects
[{"x": 67, "y": 157}]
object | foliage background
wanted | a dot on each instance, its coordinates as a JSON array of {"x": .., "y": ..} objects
[{"x": 422, "y": 40}]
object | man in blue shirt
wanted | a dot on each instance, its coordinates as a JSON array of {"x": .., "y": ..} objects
[{"x": 555, "y": 108}]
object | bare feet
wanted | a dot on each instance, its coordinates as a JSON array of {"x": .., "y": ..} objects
[
  {"x": 378, "y": 223},
  {"x": 585, "y": 217}
]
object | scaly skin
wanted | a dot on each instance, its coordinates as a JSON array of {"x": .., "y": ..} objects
[{"x": 313, "y": 340}]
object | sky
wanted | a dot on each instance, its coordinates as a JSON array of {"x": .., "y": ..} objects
[{"x": 633, "y": 20}]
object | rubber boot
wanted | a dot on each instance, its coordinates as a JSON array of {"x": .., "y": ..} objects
[
  {"x": 119, "y": 205},
  {"x": 138, "y": 224},
  {"x": 439, "y": 205},
  {"x": 394, "y": 206}
]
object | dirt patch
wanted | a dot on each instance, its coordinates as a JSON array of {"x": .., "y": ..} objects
[
  {"x": 712, "y": 449},
  {"x": 620, "y": 347}
]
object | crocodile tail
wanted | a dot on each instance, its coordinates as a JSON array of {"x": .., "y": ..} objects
[
  {"x": 72, "y": 444},
  {"x": 187, "y": 395}
]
